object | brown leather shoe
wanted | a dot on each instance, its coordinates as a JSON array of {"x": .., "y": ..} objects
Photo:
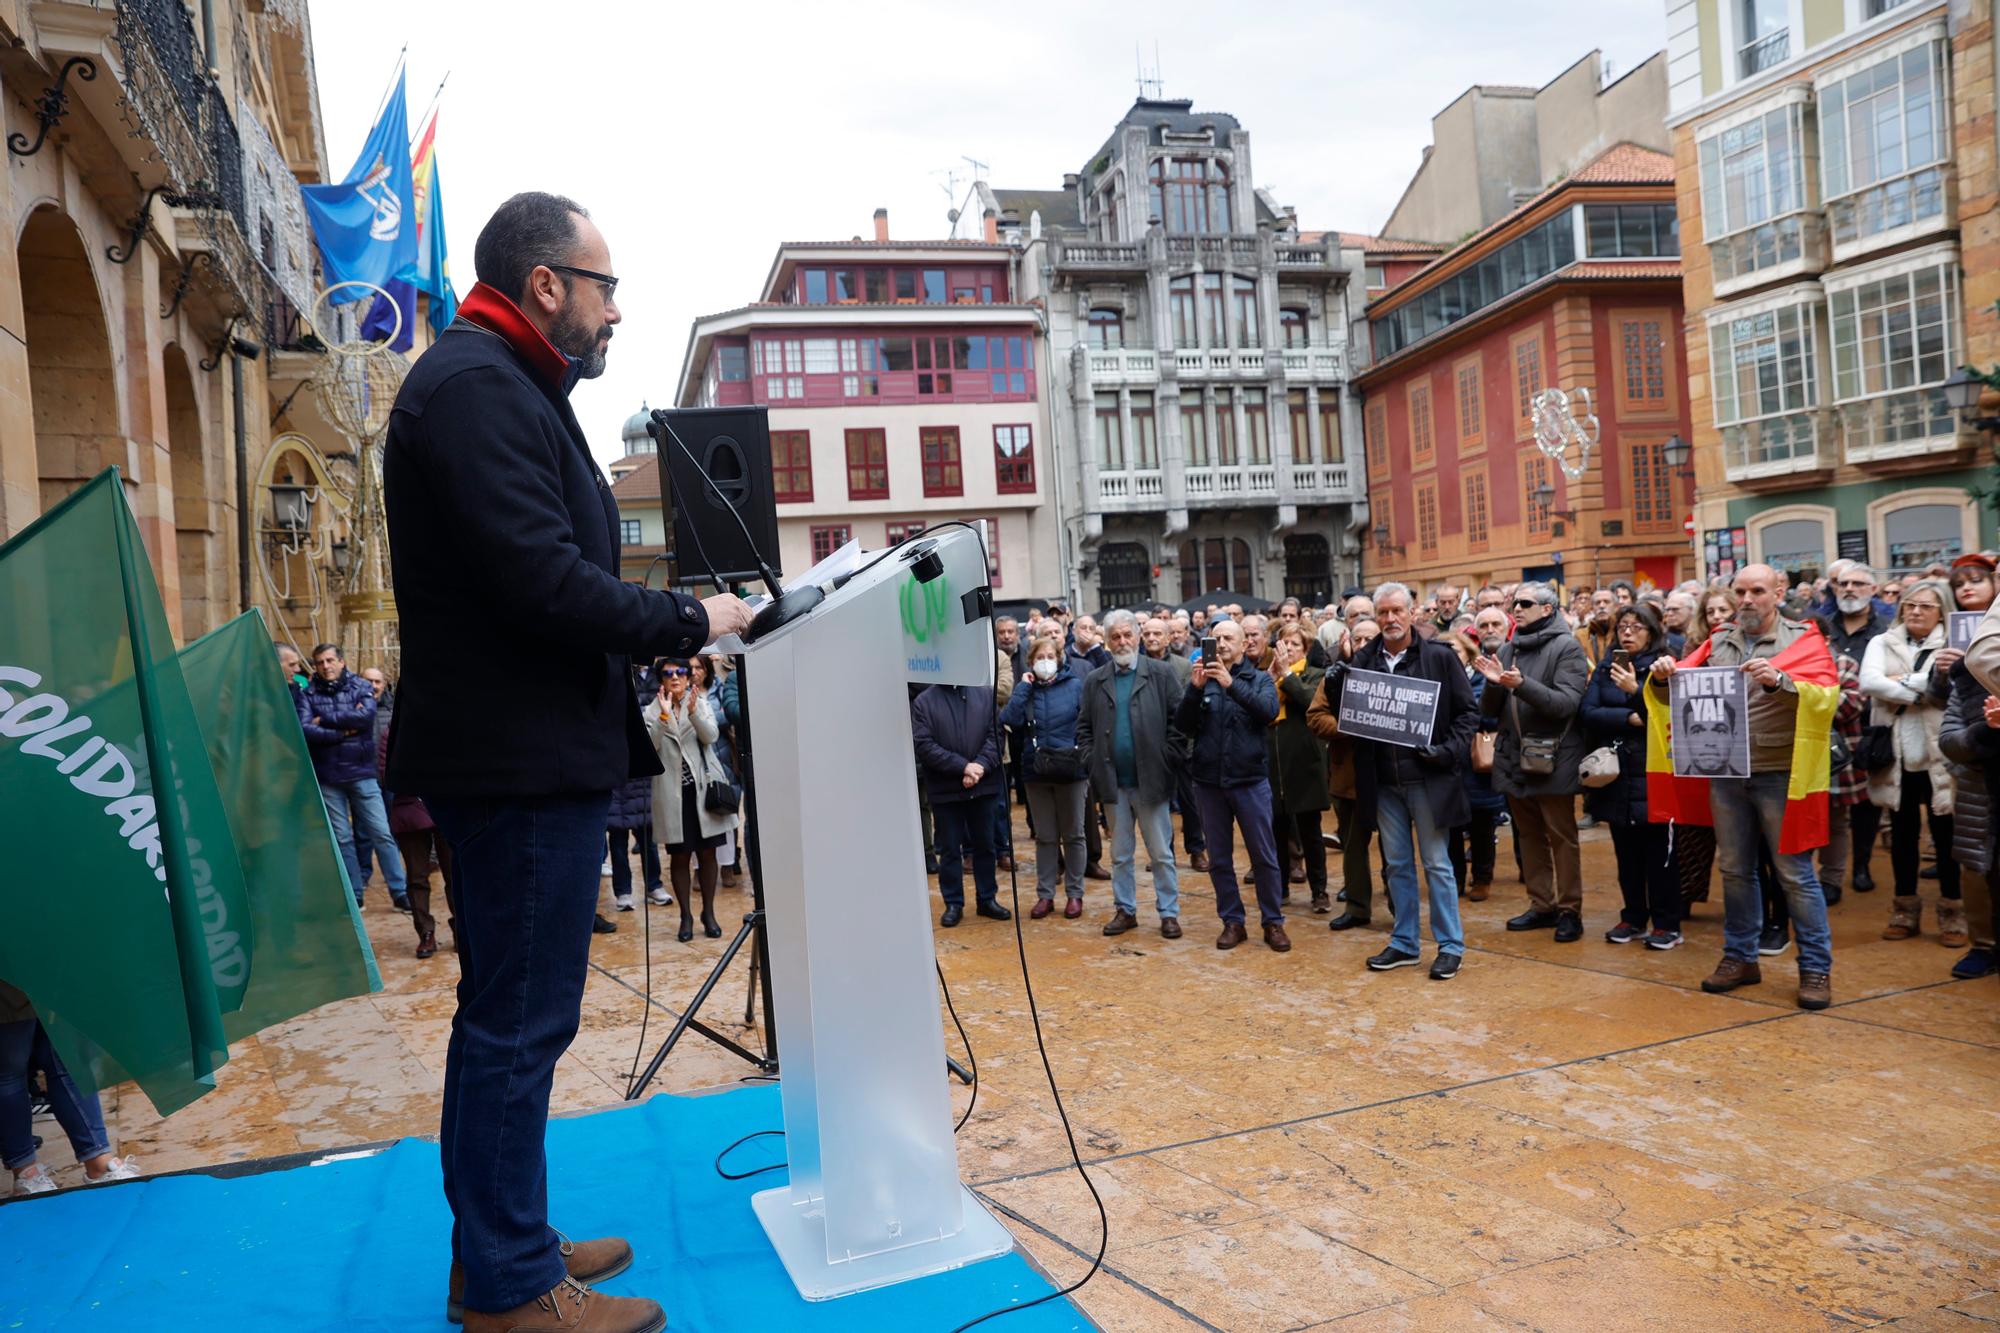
[
  {"x": 587, "y": 1261},
  {"x": 1096, "y": 871},
  {"x": 1815, "y": 990},
  {"x": 1120, "y": 922},
  {"x": 1042, "y": 907},
  {"x": 1731, "y": 973},
  {"x": 1480, "y": 889},
  {"x": 1276, "y": 937},
  {"x": 1198, "y": 862},
  {"x": 1232, "y": 935},
  {"x": 1170, "y": 927},
  {"x": 572, "y": 1308}
]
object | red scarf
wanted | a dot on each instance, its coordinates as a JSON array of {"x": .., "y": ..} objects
[{"x": 493, "y": 312}]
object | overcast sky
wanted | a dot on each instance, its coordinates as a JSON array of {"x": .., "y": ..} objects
[{"x": 700, "y": 136}]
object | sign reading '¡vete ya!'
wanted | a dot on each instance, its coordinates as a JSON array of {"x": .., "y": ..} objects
[{"x": 1397, "y": 710}]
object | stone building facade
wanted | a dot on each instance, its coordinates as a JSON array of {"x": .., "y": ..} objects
[
  {"x": 156, "y": 258},
  {"x": 1840, "y": 217},
  {"x": 1197, "y": 367}
]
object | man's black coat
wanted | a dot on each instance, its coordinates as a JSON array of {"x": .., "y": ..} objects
[
  {"x": 504, "y": 537},
  {"x": 1438, "y": 768}
]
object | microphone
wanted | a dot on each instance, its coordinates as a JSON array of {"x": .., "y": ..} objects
[{"x": 784, "y": 607}]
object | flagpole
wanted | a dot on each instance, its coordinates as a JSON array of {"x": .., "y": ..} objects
[
  {"x": 394, "y": 74},
  {"x": 424, "y": 119}
]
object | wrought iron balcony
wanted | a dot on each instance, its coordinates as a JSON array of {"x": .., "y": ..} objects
[{"x": 1765, "y": 52}]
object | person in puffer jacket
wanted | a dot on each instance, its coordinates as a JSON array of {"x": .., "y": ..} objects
[
  {"x": 1970, "y": 743},
  {"x": 957, "y": 739},
  {"x": 1043, "y": 710},
  {"x": 337, "y": 712}
]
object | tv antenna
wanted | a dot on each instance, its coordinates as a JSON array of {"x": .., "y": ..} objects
[{"x": 1150, "y": 83}]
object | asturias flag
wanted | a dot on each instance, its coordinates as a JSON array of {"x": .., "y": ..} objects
[
  {"x": 366, "y": 226},
  {"x": 1809, "y": 664},
  {"x": 433, "y": 272}
]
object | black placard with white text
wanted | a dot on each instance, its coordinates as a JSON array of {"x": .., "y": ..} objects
[
  {"x": 1710, "y": 722},
  {"x": 1396, "y": 710}
]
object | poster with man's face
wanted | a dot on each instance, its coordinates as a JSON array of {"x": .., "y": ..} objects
[{"x": 1710, "y": 722}]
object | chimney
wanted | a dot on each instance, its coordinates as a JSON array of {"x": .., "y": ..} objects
[
  {"x": 992, "y": 220},
  {"x": 881, "y": 224},
  {"x": 1070, "y": 179}
]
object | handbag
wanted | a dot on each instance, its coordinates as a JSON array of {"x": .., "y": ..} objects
[
  {"x": 1599, "y": 767},
  {"x": 1055, "y": 763},
  {"x": 1482, "y": 751},
  {"x": 1878, "y": 742},
  {"x": 1538, "y": 753},
  {"x": 723, "y": 796}
]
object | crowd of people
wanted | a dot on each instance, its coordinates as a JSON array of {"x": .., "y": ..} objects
[
  {"x": 1230, "y": 720},
  {"x": 690, "y": 812}
]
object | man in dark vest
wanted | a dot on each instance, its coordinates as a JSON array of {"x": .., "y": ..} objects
[{"x": 500, "y": 523}]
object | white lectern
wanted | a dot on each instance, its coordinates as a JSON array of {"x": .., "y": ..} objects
[{"x": 874, "y": 1196}]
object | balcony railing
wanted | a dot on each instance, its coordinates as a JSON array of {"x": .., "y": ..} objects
[
  {"x": 1303, "y": 256},
  {"x": 1122, "y": 365},
  {"x": 1898, "y": 425},
  {"x": 1765, "y": 52},
  {"x": 1887, "y": 206},
  {"x": 1104, "y": 255},
  {"x": 1319, "y": 478},
  {"x": 1145, "y": 486},
  {"x": 1747, "y": 256},
  {"x": 1313, "y": 363},
  {"x": 1772, "y": 446}
]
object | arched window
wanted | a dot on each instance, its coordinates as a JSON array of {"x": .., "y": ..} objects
[
  {"x": 1107, "y": 328},
  {"x": 1292, "y": 323},
  {"x": 1190, "y": 195},
  {"x": 1308, "y": 569},
  {"x": 1124, "y": 576}
]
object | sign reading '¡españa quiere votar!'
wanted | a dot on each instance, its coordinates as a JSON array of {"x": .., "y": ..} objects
[{"x": 1396, "y": 710}]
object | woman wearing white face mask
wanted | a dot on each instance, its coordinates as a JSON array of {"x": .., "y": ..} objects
[{"x": 1043, "y": 710}]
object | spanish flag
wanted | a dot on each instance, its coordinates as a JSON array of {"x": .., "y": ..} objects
[{"x": 1809, "y": 663}]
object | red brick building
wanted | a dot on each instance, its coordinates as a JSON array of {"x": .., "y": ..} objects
[{"x": 1580, "y": 287}]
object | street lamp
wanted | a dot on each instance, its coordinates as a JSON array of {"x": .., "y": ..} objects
[
  {"x": 1963, "y": 391},
  {"x": 339, "y": 553},
  {"x": 1382, "y": 543},
  {"x": 1544, "y": 496},
  {"x": 1676, "y": 453},
  {"x": 291, "y": 507}
]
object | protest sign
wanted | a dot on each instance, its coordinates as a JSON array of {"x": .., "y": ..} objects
[
  {"x": 1711, "y": 724},
  {"x": 1397, "y": 710},
  {"x": 1964, "y": 624}
]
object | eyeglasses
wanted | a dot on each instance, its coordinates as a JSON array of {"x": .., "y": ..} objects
[
  {"x": 1526, "y": 604},
  {"x": 674, "y": 671},
  {"x": 610, "y": 283}
]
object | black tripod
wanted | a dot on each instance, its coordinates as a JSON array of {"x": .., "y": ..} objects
[{"x": 750, "y": 932}]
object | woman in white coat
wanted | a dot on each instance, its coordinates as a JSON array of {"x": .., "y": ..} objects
[
  {"x": 1906, "y": 672},
  {"x": 683, "y": 729}
]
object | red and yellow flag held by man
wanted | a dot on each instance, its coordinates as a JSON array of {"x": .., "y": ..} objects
[{"x": 1808, "y": 663}]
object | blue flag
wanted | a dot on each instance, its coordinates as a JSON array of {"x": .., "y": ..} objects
[
  {"x": 366, "y": 226},
  {"x": 444, "y": 301}
]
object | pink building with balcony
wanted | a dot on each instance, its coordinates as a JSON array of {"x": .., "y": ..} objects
[{"x": 903, "y": 380}]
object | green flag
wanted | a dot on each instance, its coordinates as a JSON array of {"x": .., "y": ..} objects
[
  {"x": 130, "y": 918},
  {"x": 310, "y": 946}
]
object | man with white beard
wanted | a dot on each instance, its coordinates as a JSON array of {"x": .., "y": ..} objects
[{"x": 1857, "y": 625}]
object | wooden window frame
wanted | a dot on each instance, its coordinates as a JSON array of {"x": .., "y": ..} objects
[
  {"x": 1473, "y": 439},
  {"x": 1423, "y": 420},
  {"x": 1538, "y": 521},
  {"x": 949, "y": 466},
  {"x": 832, "y": 536},
  {"x": 1665, "y": 407},
  {"x": 902, "y": 530},
  {"x": 1014, "y": 474},
  {"x": 1427, "y": 532},
  {"x": 1478, "y": 511},
  {"x": 1647, "y": 474},
  {"x": 865, "y": 436},
  {"x": 1375, "y": 435},
  {"x": 1524, "y": 410},
  {"x": 785, "y": 474}
]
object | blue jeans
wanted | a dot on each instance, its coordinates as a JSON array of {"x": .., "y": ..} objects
[
  {"x": 621, "y": 859},
  {"x": 1401, "y": 812},
  {"x": 1129, "y": 820},
  {"x": 1222, "y": 810},
  {"x": 526, "y": 874},
  {"x": 959, "y": 824},
  {"x": 24, "y": 1048},
  {"x": 349, "y": 804},
  {"x": 1743, "y": 810}
]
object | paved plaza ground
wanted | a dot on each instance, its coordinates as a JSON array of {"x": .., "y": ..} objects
[{"x": 1564, "y": 1137}]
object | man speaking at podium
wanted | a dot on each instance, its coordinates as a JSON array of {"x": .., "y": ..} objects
[{"x": 502, "y": 530}]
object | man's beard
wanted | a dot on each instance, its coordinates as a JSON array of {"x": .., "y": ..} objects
[
  {"x": 1853, "y": 606},
  {"x": 574, "y": 336},
  {"x": 1749, "y": 619},
  {"x": 1125, "y": 661}
]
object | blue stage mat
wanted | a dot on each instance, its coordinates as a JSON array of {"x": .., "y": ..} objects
[{"x": 364, "y": 1244}]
